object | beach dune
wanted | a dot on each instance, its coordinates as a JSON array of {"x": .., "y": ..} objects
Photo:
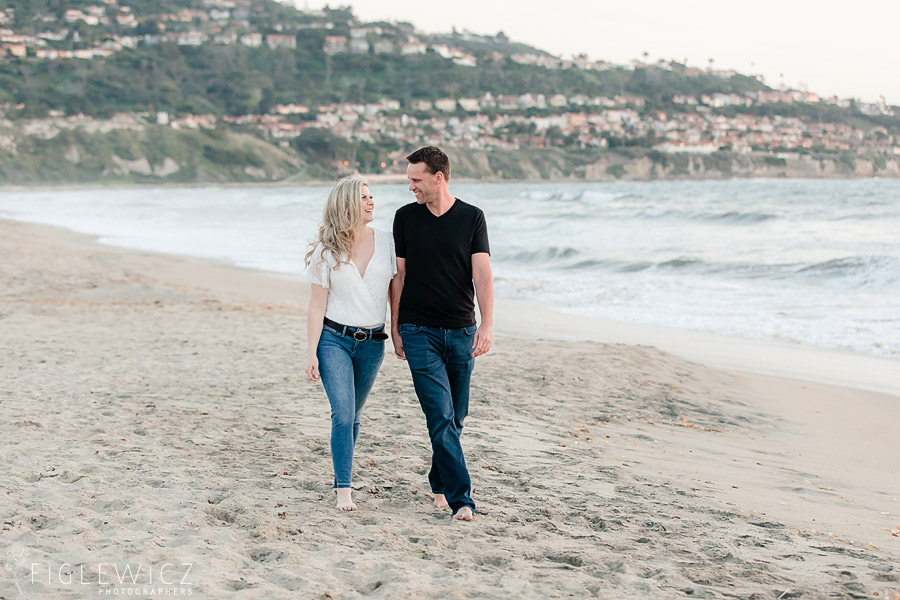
[{"x": 156, "y": 418}]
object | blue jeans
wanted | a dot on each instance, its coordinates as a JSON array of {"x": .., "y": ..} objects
[
  {"x": 348, "y": 369},
  {"x": 441, "y": 363}
]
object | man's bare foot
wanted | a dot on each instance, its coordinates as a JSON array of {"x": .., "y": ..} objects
[
  {"x": 440, "y": 501},
  {"x": 464, "y": 514},
  {"x": 344, "y": 502}
]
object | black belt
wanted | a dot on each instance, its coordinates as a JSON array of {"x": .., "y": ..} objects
[{"x": 360, "y": 334}]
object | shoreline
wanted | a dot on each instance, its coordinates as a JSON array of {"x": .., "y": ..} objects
[
  {"x": 530, "y": 320},
  {"x": 535, "y": 320},
  {"x": 398, "y": 179},
  {"x": 157, "y": 413}
]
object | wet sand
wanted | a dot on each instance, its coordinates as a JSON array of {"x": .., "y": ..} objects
[{"x": 155, "y": 413}]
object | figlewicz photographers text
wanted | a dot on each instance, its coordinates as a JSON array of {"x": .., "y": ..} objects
[{"x": 114, "y": 579}]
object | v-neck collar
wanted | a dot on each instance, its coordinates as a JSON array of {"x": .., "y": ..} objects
[
  {"x": 371, "y": 258},
  {"x": 448, "y": 211}
]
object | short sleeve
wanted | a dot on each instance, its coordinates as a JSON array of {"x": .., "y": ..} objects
[
  {"x": 319, "y": 271},
  {"x": 480, "y": 235},
  {"x": 393, "y": 255},
  {"x": 399, "y": 248}
]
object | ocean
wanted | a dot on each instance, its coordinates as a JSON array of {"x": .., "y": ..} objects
[{"x": 810, "y": 262}]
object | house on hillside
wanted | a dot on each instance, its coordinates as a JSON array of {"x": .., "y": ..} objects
[
  {"x": 335, "y": 44},
  {"x": 278, "y": 40},
  {"x": 252, "y": 40},
  {"x": 359, "y": 46}
]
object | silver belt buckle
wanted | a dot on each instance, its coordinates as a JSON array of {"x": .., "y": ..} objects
[{"x": 360, "y": 336}]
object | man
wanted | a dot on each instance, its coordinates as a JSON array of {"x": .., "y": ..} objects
[{"x": 442, "y": 253}]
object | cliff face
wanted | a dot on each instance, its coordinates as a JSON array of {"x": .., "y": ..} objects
[
  {"x": 556, "y": 164},
  {"x": 58, "y": 152},
  {"x": 55, "y": 152}
]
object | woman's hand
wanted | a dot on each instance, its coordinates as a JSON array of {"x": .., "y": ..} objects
[
  {"x": 312, "y": 368},
  {"x": 315, "y": 314}
]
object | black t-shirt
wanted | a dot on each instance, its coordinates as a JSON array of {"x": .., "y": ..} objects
[{"x": 438, "y": 289}]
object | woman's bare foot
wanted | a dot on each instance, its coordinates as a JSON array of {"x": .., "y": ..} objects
[
  {"x": 464, "y": 514},
  {"x": 440, "y": 501},
  {"x": 344, "y": 502}
]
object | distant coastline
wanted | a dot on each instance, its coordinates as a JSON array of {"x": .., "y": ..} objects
[
  {"x": 329, "y": 93},
  {"x": 555, "y": 164}
]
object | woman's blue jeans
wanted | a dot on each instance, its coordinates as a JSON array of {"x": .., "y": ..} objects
[
  {"x": 441, "y": 363},
  {"x": 348, "y": 369}
]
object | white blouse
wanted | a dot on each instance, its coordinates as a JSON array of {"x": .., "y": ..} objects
[{"x": 354, "y": 299}]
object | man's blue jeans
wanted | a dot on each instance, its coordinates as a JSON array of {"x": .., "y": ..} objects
[
  {"x": 441, "y": 364},
  {"x": 348, "y": 369}
]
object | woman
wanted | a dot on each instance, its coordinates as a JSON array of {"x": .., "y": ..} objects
[{"x": 350, "y": 267}]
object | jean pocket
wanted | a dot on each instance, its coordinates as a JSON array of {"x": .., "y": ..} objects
[
  {"x": 471, "y": 329},
  {"x": 410, "y": 328}
]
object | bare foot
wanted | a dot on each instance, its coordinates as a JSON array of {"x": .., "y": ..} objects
[
  {"x": 440, "y": 501},
  {"x": 344, "y": 502},
  {"x": 464, "y": 514}
]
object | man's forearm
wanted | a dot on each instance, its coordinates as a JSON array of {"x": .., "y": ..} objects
[
  {"x": 484, "y": 293},
  {"x": 396, "y": 290}
]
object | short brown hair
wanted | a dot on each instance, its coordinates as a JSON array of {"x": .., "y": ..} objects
[{"x": 434, "y": 158}]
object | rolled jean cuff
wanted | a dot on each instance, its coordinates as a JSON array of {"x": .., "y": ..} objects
[{"x": 341, "y": 485}]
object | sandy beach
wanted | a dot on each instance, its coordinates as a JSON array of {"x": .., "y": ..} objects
[{"x": 159, "y": 438}]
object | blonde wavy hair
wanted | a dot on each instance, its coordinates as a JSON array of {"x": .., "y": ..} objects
[{"x": 341, "y": 217}]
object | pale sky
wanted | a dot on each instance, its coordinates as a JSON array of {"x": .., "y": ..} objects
[{"x": 849, "y": 49}]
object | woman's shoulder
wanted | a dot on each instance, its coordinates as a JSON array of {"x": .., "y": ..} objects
[
  {"x": 383, "y": 235},
  {"x": 323, "y": 255},
  {"x": 384, "y": 244}
]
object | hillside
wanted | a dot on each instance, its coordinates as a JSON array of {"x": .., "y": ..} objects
[
  {"x": 137, "y": 153},
  {"x": 258, "y": 91},
  {"x": 225, "y": 78},
  {"x": 57, "y": 152}
]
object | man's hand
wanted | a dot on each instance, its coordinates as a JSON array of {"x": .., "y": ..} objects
[
  {"x": 394, "y": 292},
  {"x": 483, "y": 339},
  {"x": 398, "y": 343}
]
